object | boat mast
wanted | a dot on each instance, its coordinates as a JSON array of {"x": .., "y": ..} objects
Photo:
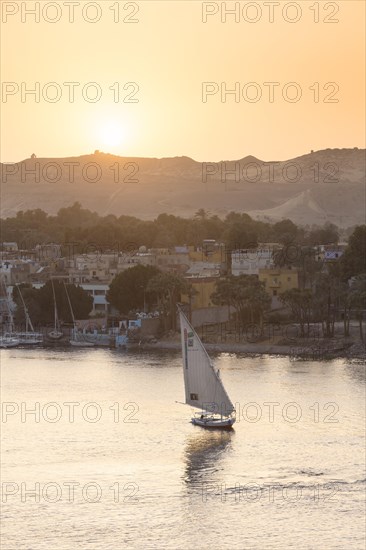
[
  {"x": 28, "y": 322},
  {"x": 68, "y": 299},
  {"x": 54, "y": 301},
  {"x": 10, "y": 313}
]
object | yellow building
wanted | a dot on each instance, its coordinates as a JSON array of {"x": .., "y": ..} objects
[
  {"x": 277, "y": 281},
  {"x": 201, "y": 295}
]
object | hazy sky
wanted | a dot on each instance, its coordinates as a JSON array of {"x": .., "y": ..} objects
[{"x": 169, "y": 52}]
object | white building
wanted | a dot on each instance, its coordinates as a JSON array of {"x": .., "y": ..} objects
[
  {"x": 203, "y": 270},
  {"x": 95, "y": 267},
  {"x": 249, "y": 262},
  {"x": 17, "y": 271},
  {"x": 9, "y": 247},
  {"x": 97, "y": 291},
  {"x": 99, "y": 294},
  {"x": 131, "y": 259}
]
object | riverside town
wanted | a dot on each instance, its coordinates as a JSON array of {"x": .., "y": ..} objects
[{"x": 256, "y": 286}]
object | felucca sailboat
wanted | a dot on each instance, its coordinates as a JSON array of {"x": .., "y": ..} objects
[{"x": 203, "y": 386}]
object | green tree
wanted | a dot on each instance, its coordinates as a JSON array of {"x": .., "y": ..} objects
[
  {"x": 303, "y": 258},
  {"x": 168, "y": 287},
  {"x": 246, "y": 293},
  {"x": 225, "y": 292},
  {"x": 325, "y": 299},
  {"x": 300, "y": 304},
  {"x": 201, "y": 214},
  {"x": 345, "y": 302},
  {"x": 29, "y": 295},
  {"x": 328, "y": 234},
  {"x": 285, "y": 231},
  {"x": 240, "y": 236},
  {"x": 353, "y": 261},
  {"x": 81, "y": 302},
  {"x": 40, "y": 303},
  {"x": 128, "y": 290},
  {"x": 358, "y": 300},
  {"x": 76, "y": 216}
]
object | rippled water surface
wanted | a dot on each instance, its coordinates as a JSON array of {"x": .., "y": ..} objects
[{"x": 109, "y": 459}]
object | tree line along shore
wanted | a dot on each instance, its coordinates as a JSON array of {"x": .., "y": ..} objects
[{"x": 329, "y": 292}]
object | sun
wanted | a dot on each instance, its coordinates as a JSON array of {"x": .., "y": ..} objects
[{"x": 111, "y": 135}]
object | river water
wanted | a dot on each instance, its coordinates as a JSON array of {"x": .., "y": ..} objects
[{"x": 109, "y": 460}]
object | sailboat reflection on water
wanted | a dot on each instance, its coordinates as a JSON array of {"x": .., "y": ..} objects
[{"x": 203, "y": 452}]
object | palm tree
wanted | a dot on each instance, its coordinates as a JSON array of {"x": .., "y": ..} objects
[
  {"x": 300, "y": 304},
  {"x": 246, "y": 294},
  {"x": 358, "y": 300},
  {"x": 201, "y": 214},
  {"x": 168, "y": 287}
]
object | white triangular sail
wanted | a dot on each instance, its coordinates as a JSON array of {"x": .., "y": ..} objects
[{"x": 203, "y": 385}]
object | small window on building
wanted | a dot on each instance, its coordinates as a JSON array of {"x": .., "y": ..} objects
[{"x": 194, "y": 396}]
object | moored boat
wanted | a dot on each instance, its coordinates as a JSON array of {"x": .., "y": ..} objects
[
  {"x": 7, "y": 341},
  {"x": 29, "y": 336},
  {"x": 78, "y": 339}
]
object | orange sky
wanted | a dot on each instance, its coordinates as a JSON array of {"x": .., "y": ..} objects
[{"x": 169, "y": 52}]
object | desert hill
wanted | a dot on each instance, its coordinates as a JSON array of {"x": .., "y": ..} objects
[{"x": 321, "y": 186}]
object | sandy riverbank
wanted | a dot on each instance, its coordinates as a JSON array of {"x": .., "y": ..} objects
[{"x": 319, "y": 350}]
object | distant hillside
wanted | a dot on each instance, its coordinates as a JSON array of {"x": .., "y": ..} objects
[{"x": 317, "y": 187}]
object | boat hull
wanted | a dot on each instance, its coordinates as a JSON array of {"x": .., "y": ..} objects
[
  {"x": 6, "y": 343},
  {"x": 55, "y": 335},
  {"x": 81, "y": 344},
  {"x": 214, "y": 423},
  {"x": 29, "y": 338}
]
